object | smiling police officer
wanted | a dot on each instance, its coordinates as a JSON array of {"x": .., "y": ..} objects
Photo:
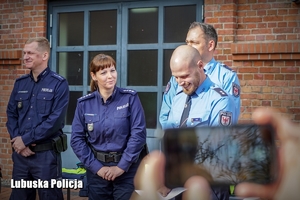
[
  {"x": 199, "y": 102},
  {"x": 35, "y": 118},
  {"x": 204, "y": 38},
  {"x": 108, "y": 133}
]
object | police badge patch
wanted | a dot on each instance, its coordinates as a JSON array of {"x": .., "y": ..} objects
[
  {"x": 236, "y": 90},
  {"x": 225, "y": 118},
  {"x": 90, "y": 126},
  {"x": 167, "y": 88}
]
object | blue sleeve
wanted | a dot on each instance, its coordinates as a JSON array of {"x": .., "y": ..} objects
[
  {"x": 79, "y": 142},
  {"x": 55, "y": 120},
  {"x": 12, "y": 115},
  {"x": 232, "y": 86},
  {"x": 222, "y": 113},
  {"x": 166, "y": 105},
  {"x": 138, "y": 134}
]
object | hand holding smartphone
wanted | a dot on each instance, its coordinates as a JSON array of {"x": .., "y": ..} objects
[{"x": 222, "y": 155}]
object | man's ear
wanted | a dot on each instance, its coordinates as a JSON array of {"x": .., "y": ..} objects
[
  {"x": 200, "y": 64},
  {"x": 45, "y": 55},
  {"x": 211, "y": 45}
]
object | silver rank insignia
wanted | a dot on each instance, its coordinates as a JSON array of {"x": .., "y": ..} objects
[
  {"x": 20, "y": 105},
  {"x": 90, "y": 126}
]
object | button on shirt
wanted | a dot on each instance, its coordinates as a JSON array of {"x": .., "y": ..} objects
[
  {"x": 36, "y": 110},
  {"x": 211, "y": 106},
  {"x": 115, "y": 126},
  {"x": 220, "y": 74}
]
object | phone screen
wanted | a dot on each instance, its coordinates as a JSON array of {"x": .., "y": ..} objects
[{"x": 222, "y": 155}]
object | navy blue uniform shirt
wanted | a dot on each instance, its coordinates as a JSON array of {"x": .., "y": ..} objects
[
  {"x": 36, "y": 110},
  {"x": 115, "y": 126}
]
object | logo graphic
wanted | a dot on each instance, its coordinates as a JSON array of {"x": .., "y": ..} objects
[{"x": 225, "y": 118}]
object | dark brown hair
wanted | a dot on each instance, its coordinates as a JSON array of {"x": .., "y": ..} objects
[
  {"x": 99, "y": 62},
  {"x": 208, "y": 30}
]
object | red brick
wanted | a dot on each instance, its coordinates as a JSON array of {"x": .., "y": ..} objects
[
  {"x": 281, "y": 5},
  {"x": 227, "y": 7},
  {"x": 280, "y": 37},
  {"x": 258, "y": 77},
  {"x": 269, "y": 70},
  {"x": 252, "y": 19},
  {"x": 275, "y": 56},
  {"x": 251, "y": 13},
  {"x": 282, "y": 12},
  {"x": 264, "y": 56},
  {"x": 271, "y": 12},
  {"x": 272, "y": 18},
  {"x": 268, "y": 76},
  {"x": 260, "y": 6},
  {"x": 279, "y": 83},
  {"x": 290, "y": 70},
  {"x": 290, "y": 18}
]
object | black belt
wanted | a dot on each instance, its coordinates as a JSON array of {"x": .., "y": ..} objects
[
  {"x": 41, "y": 147},
  {"x": 108, "y": 157}
]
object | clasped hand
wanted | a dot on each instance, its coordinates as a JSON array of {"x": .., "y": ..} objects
[
  {"x": 20, "y": 148},
  {"x": 110, "y": 172}
]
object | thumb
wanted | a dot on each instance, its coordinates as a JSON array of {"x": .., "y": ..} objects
[{"x": 197, "y": 189}]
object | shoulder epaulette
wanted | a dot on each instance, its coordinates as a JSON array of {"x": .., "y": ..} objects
[
  {"x": 226, "y": 67},
  {"x": 22, "y": 77},
  {"x": 57, "y": 76},
  {"x": 85, "y": 97},
  {"x": 128, "y": 91},
  {"x": 220, "y": 91}
]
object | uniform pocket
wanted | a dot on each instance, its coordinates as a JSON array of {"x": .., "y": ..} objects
[
  {"x": 44, "y": 102},
  {"x": 22, "y": 101},
  {"x": 90, "y": 121},
  {"x": 121, "y": 120}
]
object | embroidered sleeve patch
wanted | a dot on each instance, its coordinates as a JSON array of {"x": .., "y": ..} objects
[
  {"x": 225, "y": 118},
  {"x": 236, "y": 90},
  {"x": 167, "y": 88}
]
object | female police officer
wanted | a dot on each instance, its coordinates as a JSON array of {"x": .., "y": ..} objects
[{"x": 108, "y": 133}]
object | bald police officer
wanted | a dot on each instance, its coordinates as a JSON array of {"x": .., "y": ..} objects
[
  {"x": 207, "y": 104},
  {"x": 204, "y": 38}
]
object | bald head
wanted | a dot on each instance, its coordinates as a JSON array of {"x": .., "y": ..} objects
[
  {"x": 185, "y": 55},
  {"x": 187, "y": 68}
]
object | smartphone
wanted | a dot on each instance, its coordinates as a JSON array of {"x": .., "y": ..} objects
[{"x": 222, "y": 155}]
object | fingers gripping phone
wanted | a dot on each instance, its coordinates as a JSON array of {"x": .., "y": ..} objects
[{"x": 222, "y": 155}]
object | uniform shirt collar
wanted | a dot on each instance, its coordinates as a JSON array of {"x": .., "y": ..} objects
[
  {"x": 111, "y": 98},
  {"x": 41, "y": 75},
  {"x": 210, "y": 66},
  {"x": 206, "y": 84}
]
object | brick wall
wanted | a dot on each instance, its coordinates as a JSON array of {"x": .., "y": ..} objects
[
  {"x": 259, "y": 40},
  {"x": 19, "y": 20}
]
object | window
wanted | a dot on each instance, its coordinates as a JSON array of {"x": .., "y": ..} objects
[{"x": 140, "y": 36}]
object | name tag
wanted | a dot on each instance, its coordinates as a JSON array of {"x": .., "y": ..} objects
[{"x": 196, "y": 120}]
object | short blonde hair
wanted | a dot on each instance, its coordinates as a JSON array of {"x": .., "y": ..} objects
[{"x": 43, "y": 43}]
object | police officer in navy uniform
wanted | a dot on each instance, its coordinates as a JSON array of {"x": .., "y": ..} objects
[
  {"x": 204, "y": 38},
  {"x": 35, "y": 115},
  {"x": 108, "y": 133},
  {"x": 207, "y": 104}
]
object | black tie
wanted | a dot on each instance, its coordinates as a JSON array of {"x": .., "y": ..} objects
[{"x": 186, "y": 110}]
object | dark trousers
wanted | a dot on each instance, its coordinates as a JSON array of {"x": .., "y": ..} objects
[
  {"x": 44, "y": 166},
  {"x": 119, "y": 189}
]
